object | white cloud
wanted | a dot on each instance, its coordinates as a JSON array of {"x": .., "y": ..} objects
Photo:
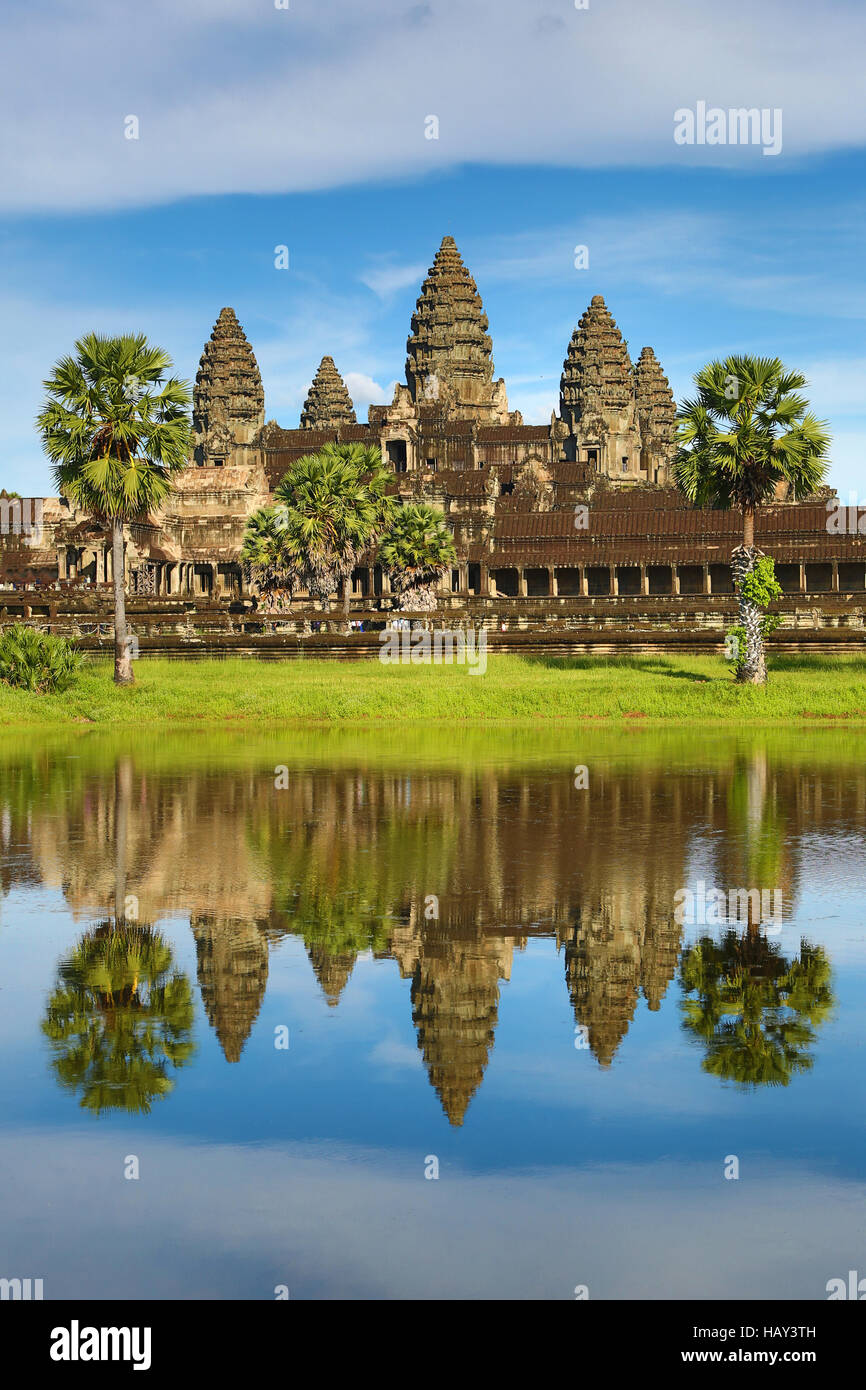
[
  {"x": 387, "y": 279},
  {"x": 242, "y": 97},
  {"x": 365, "y": 391}
]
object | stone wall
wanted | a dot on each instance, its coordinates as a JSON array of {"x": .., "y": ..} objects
[{"x": 188, "y": 627}]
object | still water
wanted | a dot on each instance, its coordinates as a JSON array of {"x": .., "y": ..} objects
[{"x": 421, "y": 1014}]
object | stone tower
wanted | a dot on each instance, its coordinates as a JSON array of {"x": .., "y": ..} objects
[
  {"x": 328, "y": 404},
  {"x": 656, "y": 417},
  {"x": 449, "y": 350},
  {"x": 596, "y": 395},
  {"x": 228, "y": 398}
]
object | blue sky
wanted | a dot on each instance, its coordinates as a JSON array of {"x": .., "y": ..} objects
[{"x": 307, "y": 128}]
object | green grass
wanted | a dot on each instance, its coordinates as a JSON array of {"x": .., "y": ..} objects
[{"x": 659, "y": 688}]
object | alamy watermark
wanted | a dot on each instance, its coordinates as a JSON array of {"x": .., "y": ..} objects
[
  {"x": 739, "y": 125},
  {"x": 714, "y": 907},
  {"x": 21, "y": 1289},
  {"x": 847, "y": 520},
  {"x": 21, "y": 516},
  {"x": 444, "y": 646}
]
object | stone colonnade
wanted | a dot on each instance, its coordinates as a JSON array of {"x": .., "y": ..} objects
[{"x": 615, "y": 580}]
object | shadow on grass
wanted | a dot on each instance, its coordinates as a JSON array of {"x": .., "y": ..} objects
[
  {"x": 676, "y": 669},
  {"x": 651, "y": 665}
]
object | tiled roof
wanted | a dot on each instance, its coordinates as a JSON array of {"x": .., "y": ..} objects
[
  {"x": 519, "y": 434},
  {"x": 792, "y": 521},
  {"x": 458, "y": 482}
]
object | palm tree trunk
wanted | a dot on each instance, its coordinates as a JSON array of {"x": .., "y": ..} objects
[
  {"x": 749, "y": 528},
  {"x": 347, "y": 599},
  {"x": 122, "y": 654},
  {"x": 753, "y": 670}
]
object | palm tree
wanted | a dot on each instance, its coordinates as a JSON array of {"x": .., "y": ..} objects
[
  {"x": 265, "y": 557},
  {"x": 330, "y": 507},
  {"x": 416, "y": 552},
  {"x": 116, "y": 426},
  {"x": 748, "y": 430}
]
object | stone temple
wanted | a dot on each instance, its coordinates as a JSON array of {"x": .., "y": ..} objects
[{"x": 582, "y": 507}]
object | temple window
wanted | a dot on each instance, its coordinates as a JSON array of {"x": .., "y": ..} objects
[
  {"x": 218, "y": 463},
  {"x": 625, "y": 465},
  {"x": 592, "y": 455},
  {"x": 431, "y": 465}
]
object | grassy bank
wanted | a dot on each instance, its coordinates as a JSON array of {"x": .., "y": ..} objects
[{"x": 662, "y": 688}]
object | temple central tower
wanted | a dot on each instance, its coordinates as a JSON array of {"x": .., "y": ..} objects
[{"x": 449, "y": 360}]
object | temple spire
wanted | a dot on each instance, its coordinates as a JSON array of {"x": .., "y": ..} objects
[
  {"x": 655, "y": 399},
  {"x": 657, "y": 415},
  {"x": 228, "y": 385},
  {"x": 328, "y": 405},
  {"x": 449, "y": 350},
  {"x": 597, "y": 377}
]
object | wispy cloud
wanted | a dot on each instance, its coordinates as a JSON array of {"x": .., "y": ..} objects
[
  {"x": 387, "y": 279},
  {"x": 236, "y": 96}
]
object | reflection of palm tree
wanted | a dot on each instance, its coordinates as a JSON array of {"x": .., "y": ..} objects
[
  {"x": 755, "y": 1012},
  {"x": 754, "y": 812},
  {"x": 119, "y": 1016}
]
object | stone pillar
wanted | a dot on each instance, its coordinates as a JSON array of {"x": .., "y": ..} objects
[
  {"x": 521, "y": 583},
  {"x": 582, "y": 569},
  {"x": 675, "y": 579},
  {"x": 802, "y": 576},
  {"x": 644, "y": 581},
  {"x": 705, "y": 585},
  {"x": 553, "y": 587},
  {"x": 614, "y": 581},
  {"x": 834, "y": 582}
]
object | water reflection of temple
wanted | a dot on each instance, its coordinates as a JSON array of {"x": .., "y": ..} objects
[
  {"x": 455, "y": 973},
  {"x": 232, "y": 970},
  {"x": 349, "y": 860}
]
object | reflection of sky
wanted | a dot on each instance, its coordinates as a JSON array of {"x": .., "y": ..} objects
[
  {"x": 348, "y": 1221},
  {"x": 306, "y": 1167}
]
